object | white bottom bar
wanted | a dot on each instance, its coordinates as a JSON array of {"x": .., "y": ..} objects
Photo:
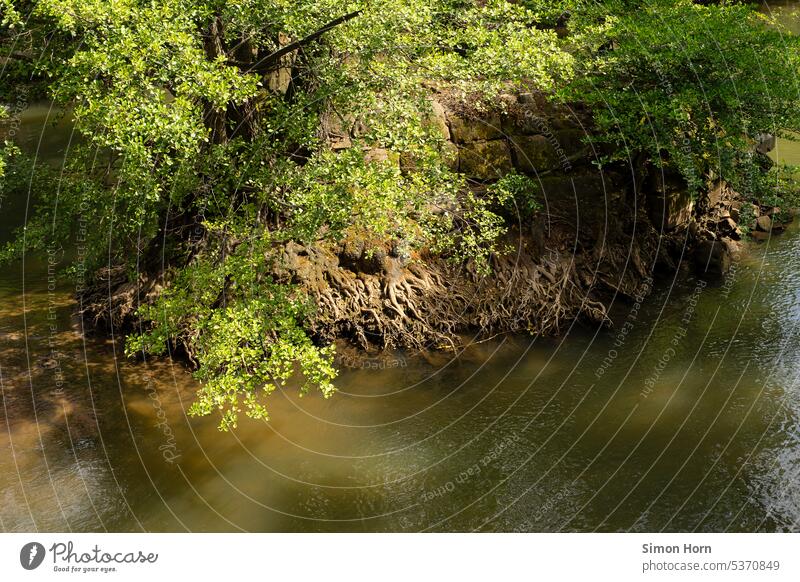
[{"x": 356, "y": 557}]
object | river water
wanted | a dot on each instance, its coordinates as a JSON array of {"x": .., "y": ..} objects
[{"x": 685, "y": 416}]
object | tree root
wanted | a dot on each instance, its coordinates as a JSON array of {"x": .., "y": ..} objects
[
  {"x": 428, "y": 305},
  {"x": 384, "y": 302}
]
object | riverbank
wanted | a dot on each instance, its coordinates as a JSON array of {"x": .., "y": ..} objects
[
  {"x": 627, "y": 362},
  {"x": 601, "y": 429},
  {"x": 600, "y": 235},
  {"x": 529, "y": 433}
]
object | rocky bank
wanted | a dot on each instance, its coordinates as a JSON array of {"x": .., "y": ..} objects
[{"x": 600, "y": 236}]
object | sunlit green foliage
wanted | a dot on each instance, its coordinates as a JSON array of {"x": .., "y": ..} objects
[
  {"x": 690, "y": 85},
  {"x": 205, "y": 153},
  {"x": 248, "y": 341},
  {"x": 180, "y": 119},
  {"x": 519, "y": 192}
]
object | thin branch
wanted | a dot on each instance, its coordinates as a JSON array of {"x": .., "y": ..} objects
[
  {"x": 18, "y": 56},
  {"x": 265, "y": 64}
]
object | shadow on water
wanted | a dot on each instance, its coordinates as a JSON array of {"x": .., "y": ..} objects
[{"x": 686, "y": 421}]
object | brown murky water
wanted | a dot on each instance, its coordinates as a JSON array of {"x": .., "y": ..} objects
[{"x": 687, "y": 420}]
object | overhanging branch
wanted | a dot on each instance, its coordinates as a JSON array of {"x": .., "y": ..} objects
[{"x": 268, "y": 62}]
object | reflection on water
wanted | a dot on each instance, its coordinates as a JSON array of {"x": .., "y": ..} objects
[
  {"x": 689, "y": 419},
  {"x": 521, "y": 434}
]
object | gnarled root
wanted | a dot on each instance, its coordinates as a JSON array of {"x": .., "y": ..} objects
[
  {"x": 424, "y": 305},
  {"x": 379, "y": 301}
]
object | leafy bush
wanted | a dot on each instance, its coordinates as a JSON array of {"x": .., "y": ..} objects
[
  {"x": 518, "y": 193},
  {"x": 197, "y": 117},
  {"x": 193, "y": 123},
  {"x": 689, "y": 85}
]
